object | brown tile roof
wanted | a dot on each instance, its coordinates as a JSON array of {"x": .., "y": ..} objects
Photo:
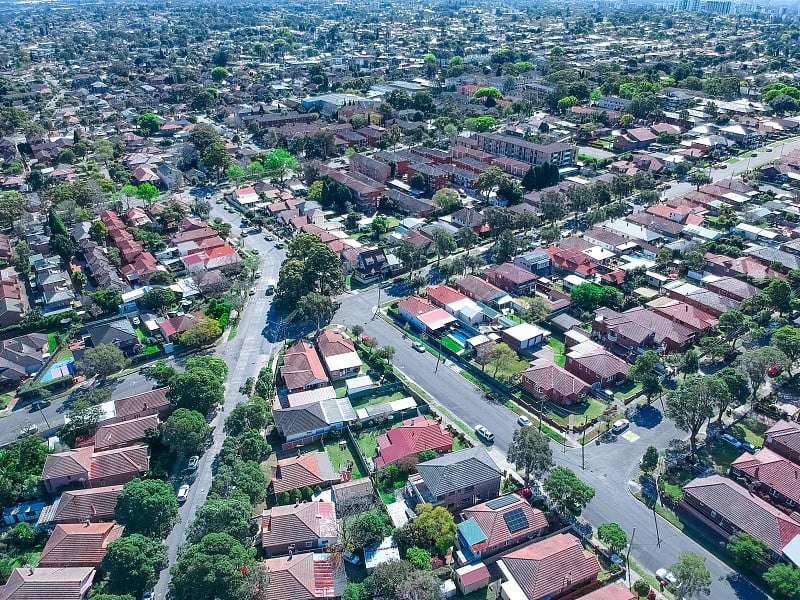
[
  {"x": 547, "y": 567},
  {"x": 784, "y": 437},
  {"x": 332, "y": 343},
  {"x": 79, "y": 545},
  {"x": 288, "y": 524},
  {"x": 772, "y": 470},
  {"x": 66, "y": 464},
  {"x": 478, "y": 289},
  {"x": 442, "y": 295},
  {"x": 494, "y": 526},
  {"x": 302, "y": 366},
  {"x": 133, "y": 406},
  {"x": 638, "y": 323},
  {"x": 412, "y": 437},
  {"x": 549, "y": 376},
  {"x": 600, "y": 361},
  {"x": 613, "y": 591},
  {"x": 686, "y": 314},
  {"x": 97, "y": 504},
  {"x": 48, "y": 584},
  {"x": 747, "y": 512},
  {"x": 509, "y": 272},
  {"x": 304, "y": 577},
  {"x": 110, "y": 463},
  {"x": 124, "y": 432},
  {"x": 306, "y": 470}
]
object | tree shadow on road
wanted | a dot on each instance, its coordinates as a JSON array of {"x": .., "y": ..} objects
[
  {"x": 744, "y": 589},
  {"x": 647, "y": 416}
]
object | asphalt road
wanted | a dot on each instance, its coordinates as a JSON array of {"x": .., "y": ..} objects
[
  {"x": 609, "y": 466},
  {"x": 679, "y": 189},
  {"x": 245, "y": 355}
]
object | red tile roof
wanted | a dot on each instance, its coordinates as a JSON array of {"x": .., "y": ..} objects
[
  {"x": 332, "y": 343},
  {"x": 442, "y": 295},
  {"x": 302, "y": 366},
  {"x": 48, "y": 584},
  {"x": 282, "y": 525},
  {"x": 301, "y": 471},
  {"x": 304, "y": 577},
  {"x": 79, "y": 545},
  {"x": 71, "y": 463},
  {"x": 772, "y": 470},
  {"x": 96, "y": 504},
  {"x": 551, "y": 377},
  {"x": 494, "y": 526},
  {"x": 134, "y": 406},
  {"x": 784, "y": 437},
  {"x": 124, "y": 432},
  {"x": 412, "y": 437},
  {"x": 552, "y": 565},
  {"x": 613, "y": 591},
  {"x": 131, "y": 460}
]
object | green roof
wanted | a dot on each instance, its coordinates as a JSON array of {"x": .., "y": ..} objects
[{"x": 470, "y": 532}]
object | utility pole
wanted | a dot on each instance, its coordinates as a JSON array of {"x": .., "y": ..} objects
[
  {"x": 377, "y": 308},
  {"x": 583, "y": 444},
  {"x": 628, "y": 556},
  {"x": 39, "y": 406},
  {"x": 655, "y": 520}
]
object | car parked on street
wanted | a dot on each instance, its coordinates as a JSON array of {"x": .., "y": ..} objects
[
  {"x": 183, "y": 492},
  {"x": 484, "y": 433},
  {"x": 665, "y": 577},
  {"x": 193, "y": 462},
  {"x": 523, "y": 421},
  {"x": 418, "y": 346}
]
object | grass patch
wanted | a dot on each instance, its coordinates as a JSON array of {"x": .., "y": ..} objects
[
  {"x": 391, "y": 223},
  {"x": 52, "y": 342},
  {"x": 482, "y": 594},
  {"x": 721, "y": 454},
  {"x": 662, "y": 511},
  {"x": 342, "y": 455},
  {"x": 558, "y": 351},
  {"x": 546, "y": 429},
  {"x": 452, "y": 345},
  {"x": 151, "y": 350},
  {"x": 591, "y": 409},
  {"x": 470, "y": 377},
  {"x": 643, "y": 574},
  {"x": 234, "y": 329},
  {"x": 64, "y": 354},
  {"x": 367, "y": 401},
  {"x": 140, "y": 335},
  {"x": 515, "y": 318},
  {"x": 749, "y": 430},
  {"x": 367, "y": 441},
  {"x": 732, "y": 161},
  {"x": 627, "y": 390},
  {"x": 673, "y": 490},
  {"x": 388, "y": 498},
  {"x": 341, "y": 388},
  {"x": 458, "y": 444},
  {"x": 5, "y": 400}
]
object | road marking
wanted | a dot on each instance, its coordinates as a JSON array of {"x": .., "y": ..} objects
[{"x": 629, "y": 436}]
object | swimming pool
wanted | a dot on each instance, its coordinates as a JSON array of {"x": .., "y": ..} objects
[
  {"x": 459, "y": 337},
  {"x": 63, "y": 368}
]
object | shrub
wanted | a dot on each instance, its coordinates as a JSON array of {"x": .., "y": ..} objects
[{"x": 641, "y": 588}]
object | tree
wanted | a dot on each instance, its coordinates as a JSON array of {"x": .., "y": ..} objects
[
  {"x": 21, "y": 460},
  {"x": 530, "y": 450},
  {"x": 218, "y": 561},
  {"x": 644, "y": 365},
  {"x": 243, "y": 477},
  {"x": 748, "y": 552},
  {"x": 552, "y": 206},
  {"x": 419, "y": 557},
  {"x": 736, "y": 383},
  {"x": 754, "y": 364},
  {"x": 158, "y": 299},
  {"x": 447, "y": 199},
  {"x": 387, "y": 576},
  {"x": 690, "y": 363},
  {"x": 419, "y": 585},
  {"x": 587, "y": 296},
  {"x": 502, "y": 354},
  {"x": 731, "y": 324},
  {"x": 354, "y": 591},
  {"x": 247, "y": 415},
  {"x": 234, "y": 172},
  {"x": 787, "y": 340},
  {"x": 161, "y": 278},
  {"x": 489, "y": 180},
  {"x": 78, "y": 279},
  {"x": 692, "y": 403},
  {"x": 537, "y": 310},
  {"x": 222, "y": 515},
  {"x": 218, "y": 74},
  {"x": 437, "y": 524},
  {"x": 780, "y": 294},
  {"x": 783, "y": 581},
  {"x": 567, "y": 493},
  {"x": 698, "y": 179},
  {"x": 103, "y": 360},
  {"x": 649, "y": 461},
  {"x": 148, "y": 123},
  {"x": 566, "y": 103},
  {"x": 12, "y": 206},
  {"x": 147, "y": 192},
  {"x": 713, "y": 347},
  {"x": 83, "y": 420},
  {"x": 316, "y": 308},
  {"x": 278, "y": 163},
  {"x": 133, "y": 563},
  {"x": 197, "y": 388},
  {"x": 147, "y": 506},
  {"x": 368, "y": 527},
  {"x": 203, "y": 331},
  {"x": 613, "y": 536},
  {"x": 641, "y": 588},
  {"x": 692, "y": 576},
  {"x": 506, "y": 246},
  {"x": 216, "y": 156},
  {"x": 161, "y": 373},
  {"x": 185, "y": 431},
  {"x": 253, "y": 447}
]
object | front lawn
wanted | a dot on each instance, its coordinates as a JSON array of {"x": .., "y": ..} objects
[
  {"x": 52, "y": 342},
  {"x": 591, "y": 409},
  {"x": 452, "y": 345},
  {"x": 628, "y": 389},
  {"x": 749, "y": 430},
  {"x": 5, "y": 400},
  {"x": 721, "y": 454}
]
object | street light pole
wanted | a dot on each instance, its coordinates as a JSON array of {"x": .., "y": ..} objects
[
  {"x": 628, "y": 556},
  {"x": 43, "y": 416},
  {"x": 655, "y": 519},
  {"x": 377, "y": 308},
  {"x": 583, "y": 444}
]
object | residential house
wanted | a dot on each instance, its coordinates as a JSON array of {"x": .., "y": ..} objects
[
  {"x": 568, "y": 261},
  {"x": 771, "y": 473},
  {"x": 371, "y": 264},
  {"x": 562, "y": 155},
  {"x": 548, "y": 569},
  {"x": 353, "y": 497},
  {"x": 124, "y": 433},
  {"x": 120, "y": 333},
  {"x": 312, "y": 576},
  {"x": 730, "y": 508},
  {"x": 79, "y": 544},
  {"x": 81, "y": 506},
  {"x": 535, "y": 262},
  {"x": 456, "y": 480},
  {"x": 691, "y": 316},
  {"x": 595, "y": 365},
  {"x": 302, "y": 368},
  {"x": 731, "y": 287},
  {"x": 312, "y": 412},
  {"x": 637, "y": 330},
  {"x": 409, "y": 204},
  {"x": 511, "y": 278},
  {"x": 307, "y": 470},
  {"x": 339, "y": 355},
  {"x": 424, "y": 316},
  {"x": 94, "y": 469},
  {"x": 21, "y": 357},
  {"x": 374, "y": 169},
  {"x": 784, "y": 439},
  {"x": 173, "y": 327},
  {"x": 497, "y": 525},
  {"x": 303, "y": 527},
  {"x": 612, "y": 591},
  {"x": 472, "y": 577},
  {"x": 482, "y": 291},
  {"x": 722, "y": 265},
  {"x": 457, "y": 304},
  {"x": 401, "y": 445},
  {"x": 469, "y": 217},
  {"x": 704, "y": 299},
  {"x": 63, "y": 583},
  {"x": 151, "y": 402},
  {"x": 547, "y": 381}
]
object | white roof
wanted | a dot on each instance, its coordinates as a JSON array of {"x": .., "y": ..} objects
[
  {"x": 383, "y": 552},
  {"x": 338, "y": 362},
  {"x": 598, "y": 253},
  {"x": 792, "y": 550},
  {"x": 358, "y": 383},
  {"x": 309, "y": 396},
  {"x": 478, "y": 340},
  {"x": 525, "y": 331},
  {"x": 574, "y": 280}
]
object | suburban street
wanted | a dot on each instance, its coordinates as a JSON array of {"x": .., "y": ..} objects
[{"x": 609, "y": 466}]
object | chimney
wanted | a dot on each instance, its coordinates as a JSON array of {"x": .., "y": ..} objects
[{"x": 296, "y": 502}]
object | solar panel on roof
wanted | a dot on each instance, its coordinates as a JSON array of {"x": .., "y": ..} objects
[
  {"x": 516, "y": 520},
  {"x": 501, "y": 502}
]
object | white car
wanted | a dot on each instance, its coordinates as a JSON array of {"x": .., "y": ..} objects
[
  {"x": 183, "y": 492},
  {"x": 484, "y": 433},
  {"x": 523, "y": 421},
  {"x": 193, "y": 462},
  {"x": 30, "y": 429},
  {"x": 620, "y": 425},
  {"x": 665, "y": 577}
]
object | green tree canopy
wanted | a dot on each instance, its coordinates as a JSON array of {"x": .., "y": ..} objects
[
  {"x": 197, "y": 389},
  {"x": 133, "y": 563},
  {"x": 223, "y": 515},
  {"x": 530, "y": 450},
  {"x": 692, "y": 576},
  {"x": 613, "y": 536},
  {"x": 692, "y": 403},
  {"x": 185, "y": 431},
  {"x": 221, "y": 563},
  {"x": 147, "y": 506},
  {"x": 103, "y": 360},
  {"x": 148, "y": 123},
  {"x": 567, "y": 493}
]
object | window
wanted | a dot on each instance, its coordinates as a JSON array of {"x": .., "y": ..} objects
[
  {"x": 713, "y": 514},
  {"x": 309, "y": 544}
]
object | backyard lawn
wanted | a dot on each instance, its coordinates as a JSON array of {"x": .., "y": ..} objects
[
  {"x": 5, "y": 400},
  {"x": 341, "y": 455},
  {"x": 341, "y": 388},
  {"x": 591, "y": 409},
  {"x": 367, "y": 441},
  {"x": 452, "y": 345},
  {"x": 52, "y": 342},
  {"x": 368, "y": 401},
  {"x": 558, "y": 351}
]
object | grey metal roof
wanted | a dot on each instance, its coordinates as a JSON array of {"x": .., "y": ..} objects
[{"x": 457, "y": 470}]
